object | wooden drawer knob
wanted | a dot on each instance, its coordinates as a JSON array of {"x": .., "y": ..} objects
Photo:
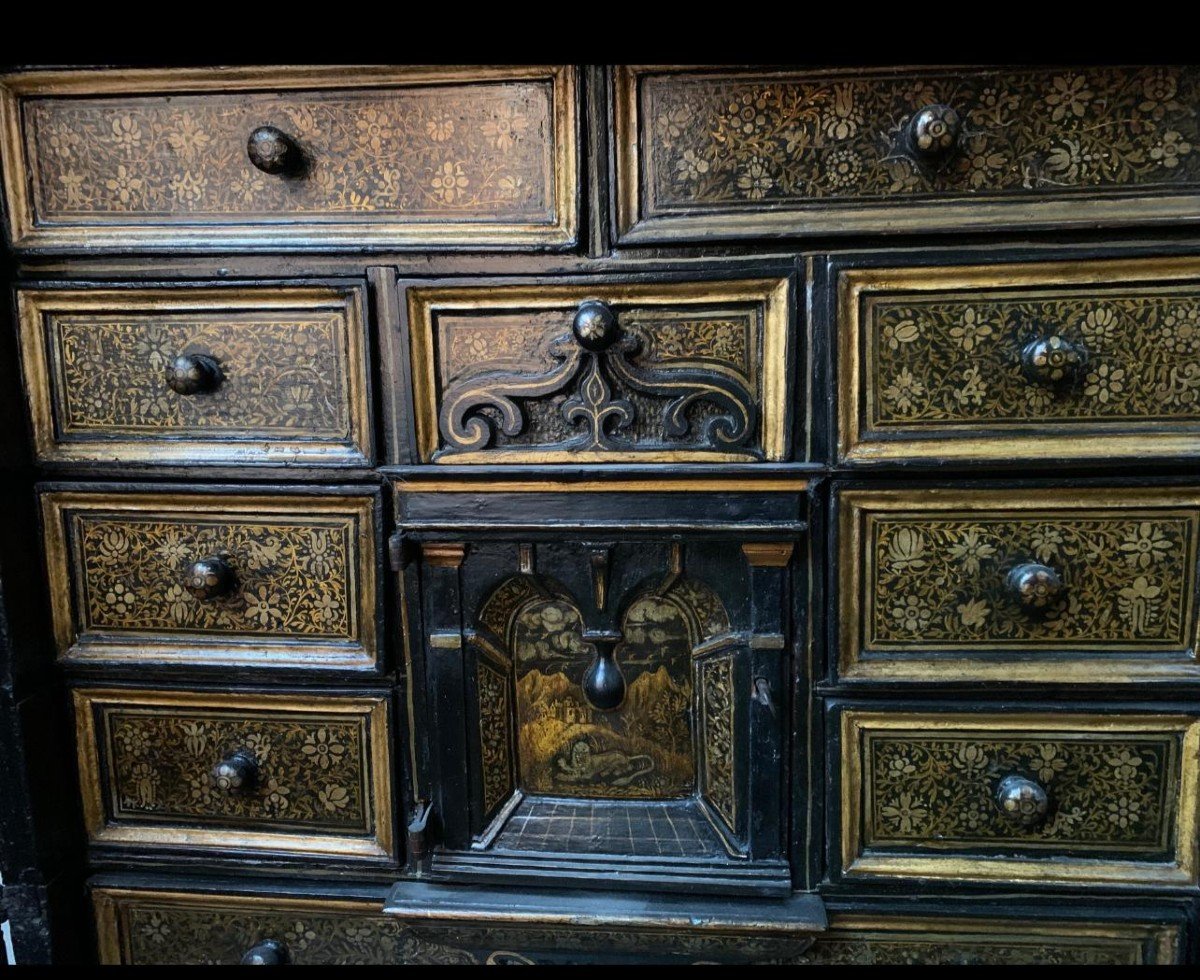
[
  {"x": 268, "y": 952},
  {"x": 272, "y": 151},
  {"x": 1052, "y": 361},
  {"x": 595, "y": 325},
  {"x": 210, "y": 578},
  {"x": 933, "y": 133},
  {"x": 1023, "y": 801},
  {"x": 193, "y": 374},
  {"x": 1035, "y": 586},
  {"x": 236, "y": 773}
]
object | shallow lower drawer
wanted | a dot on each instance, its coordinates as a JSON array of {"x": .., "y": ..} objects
[
  {"x": 234, "y": 774},
  {"x": 1041, "y": 796}
]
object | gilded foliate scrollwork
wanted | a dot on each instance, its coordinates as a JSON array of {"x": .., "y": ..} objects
[
  {"x": 752, "y": 141},
  {"x": 673, "y": 379},
  {"x": 1115, "y": 793},
  {"x": 716, "y": 687},
  {"x": 281, "y": 376},
  {"x": 495, "y": 725},
  {"x": 958, "y": 359},
  {"x": 311, "y": 771},
  {"x": 460, "y": 152},
  {"x": 1127, "y": 578},
  {"x": 969, "y": 950},
  {"x": 292, "y": 576}
]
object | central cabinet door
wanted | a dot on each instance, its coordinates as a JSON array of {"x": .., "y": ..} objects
[{"x": 606, "y": 670}]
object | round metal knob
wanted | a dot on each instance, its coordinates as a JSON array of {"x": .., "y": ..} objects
[
  {"x": 193, "y": 374},
  {"x": 934, "y": 132},
  {"x": 1052, "y": 360},
  {"x": 1022, "y": 800},
  {"x": 1035, "y": 586},
  {"x": 595, "y": 325},
  {"x": 209, "y": 578},
  {"x": 269, "y": 952},
  {"x": 236, "y": 773},
  {"x": 273, "y": 151}
]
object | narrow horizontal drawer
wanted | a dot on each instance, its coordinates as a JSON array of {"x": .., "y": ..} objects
[
  {"x": 142, "y": 926},
  {"x": 601, "y": 372},
  {"x": 996, "y": 363},
  {"x": 1104, "y": 799},
  {"x": 278, "y": 579},
  {"x": 326, "y": 156},
  {"x": 879, "y": 940},
  {"x": 294, "y": 774},
  {"x": 193, "y": 376},
  {"x": 720, "y": 153},
  {"x": 1025, "y": 584}
]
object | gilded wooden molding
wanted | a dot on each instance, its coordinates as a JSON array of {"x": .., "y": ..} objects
[
  {"x": 202, "y": 129},
  {"x": 1138, "y": 395},
  {"x": 768, "y": 554},
  {"x": 135, "y": 547},
  {"x": 374, "y": 840},
  {"x": 444, "y": 554},
  {"x": 1169, "y": 861},
  {"x": 453, "y": 382},
  {"x": 922, "y": 584},
  {"x": 294, "y": 391},
  {"x": 411, "y": 483},
  {"x": 705, "y": 152}
]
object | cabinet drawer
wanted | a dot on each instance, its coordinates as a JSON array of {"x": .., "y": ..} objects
[
  {"x": 1029, "y": 584},
  {"x": 944, "y": 941},
  {"x": 1010, "y": 796},
  {"x": 279, "y": 579},
  {"x": 328, "y": 156},
  {"x": 1088, "y": 359},
  {"x": 717, "y": 153},
  {"x": 601, "y": 372},
  {"x": 296, "y": 773},
  {"x": 142, "y": 926},
  {"x": 190, "y": 376}
]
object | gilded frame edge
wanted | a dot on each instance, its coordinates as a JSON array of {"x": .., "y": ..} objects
[
  {"x": 25, "y": 233},
  {"x": 374, "y": 708},
  {"x": 33, "y": 304},
  {"x": 772, "y": 293},
  {"x": 55, "y": 503},
  {"x": 854, "y": 504},
  {"x": 855, "y": 446},
  {"x": 855, "y": 862}
]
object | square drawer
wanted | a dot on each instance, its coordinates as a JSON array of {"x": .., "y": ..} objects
[
  {"x": 208, "y": 158},
  {"x": 1031, "y": 584},
  {"x": 279, "y": 579},
  {"x": 237, "y": 774},
  {"x": 602, "y": 371},
  {"x": 218, "y": 374},
  {"x": 1032, "y": 796},
  {"x": 706, "y": 153},
  {"x": 1000, "y": 363}
]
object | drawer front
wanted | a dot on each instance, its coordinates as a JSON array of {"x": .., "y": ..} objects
[
  {"x": 1103, "y": 799},
  {"x": 199, "y": 375},
  {"x": 944, "y": 941},
  {"x": 1041, "y": 584},
  {"x": 719, "y": 154},
  {"x": 200, "y": 578},
  {"x": 418, "y": 156},
  {"x": 601, "y": 372},
  {"x": 297, "y": 774},
  {"x": 1053, "y": 361}
]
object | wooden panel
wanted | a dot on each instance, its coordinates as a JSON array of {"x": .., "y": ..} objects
[
  {"x": 925, "y": 593},
  {"x": 292, "y": 383},
  {"x": 304, "y": 577},
  {"x": 721, "y": 153},
  {"x": 919, "y": 797},
  {"x": 692, "y": 372},
  {"x": 415, "y": 156},
  {"x": 323, "y": 763},
  {"x": 933, "y": 361}
]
